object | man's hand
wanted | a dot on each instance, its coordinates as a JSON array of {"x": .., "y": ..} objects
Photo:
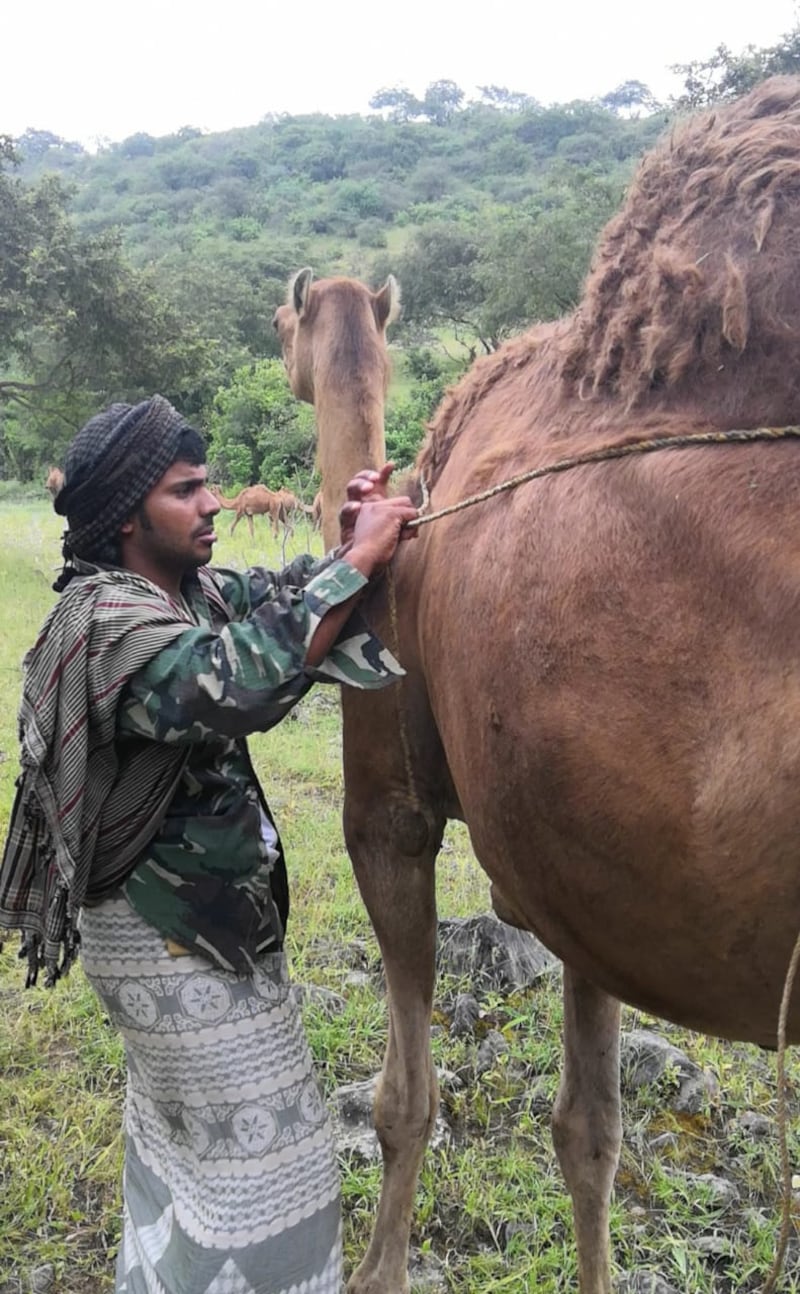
[
  {"x": 368, "y": 486},
  {"x": 377, "y": 532},
  {"x": 372, "y": 526}
]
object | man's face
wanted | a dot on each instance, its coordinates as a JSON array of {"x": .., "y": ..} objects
[{"x": 172, "y": 532}]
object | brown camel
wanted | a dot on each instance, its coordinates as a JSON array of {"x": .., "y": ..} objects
[
  {"x": 291, "y": 504},
  {"x": 602, "y": 666},
  {"x": 254, "y": 501},
  {"x": 345, "y": 378},
  {"x": 55, "y": 480}
]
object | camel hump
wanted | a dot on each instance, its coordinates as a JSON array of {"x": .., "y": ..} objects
[{"x": 705, "y": 245}]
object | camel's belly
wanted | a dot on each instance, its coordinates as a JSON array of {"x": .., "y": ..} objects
[
  {"x": 703, "y": 939},
  {"x": 655, "y": 849}
]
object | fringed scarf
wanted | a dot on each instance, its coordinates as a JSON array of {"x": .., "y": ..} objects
[{"x": 83, "y": 809}]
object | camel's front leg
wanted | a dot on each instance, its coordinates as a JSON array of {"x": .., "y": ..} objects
[
  {"x": 399, "y": 892},
  {"x": 587, "y": 1127}
]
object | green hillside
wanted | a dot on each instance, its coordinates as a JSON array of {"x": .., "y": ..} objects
[{"x": 157, "y": 263}]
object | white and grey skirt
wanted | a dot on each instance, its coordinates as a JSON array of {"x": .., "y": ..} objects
[{"x": 230, "y": 1183}]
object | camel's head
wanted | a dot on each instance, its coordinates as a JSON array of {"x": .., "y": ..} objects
[{"x": 333, "y": 322}]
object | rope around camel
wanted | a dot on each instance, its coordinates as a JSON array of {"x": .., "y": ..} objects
[
  {"x": 602, "y": 455},
  {"x": 608, "y": 452}
]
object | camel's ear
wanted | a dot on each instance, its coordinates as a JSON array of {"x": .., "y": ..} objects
[
  {"x": 299, "y": 288},
  {"x": 387, "y": 302}
]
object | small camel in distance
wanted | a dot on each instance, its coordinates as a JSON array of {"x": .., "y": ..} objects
[
  {"x": 291, "y": 503},
  {"x": 55, "y": 480},
  {"x": 316, "y": 510},
  {"x": 254, "y": 501}
]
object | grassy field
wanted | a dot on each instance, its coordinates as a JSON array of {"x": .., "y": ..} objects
[{"x": 492, "y": 1213}]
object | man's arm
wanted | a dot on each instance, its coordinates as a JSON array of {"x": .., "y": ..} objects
[
  {"x": 376, "y": 531},
  {"x": 246, "y": 677}
]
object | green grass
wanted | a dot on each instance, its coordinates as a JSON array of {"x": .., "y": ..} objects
[{"x": 491, "y": 1205}]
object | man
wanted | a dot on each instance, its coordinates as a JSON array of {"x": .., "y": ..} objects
[{"x": 140, "y": 835}]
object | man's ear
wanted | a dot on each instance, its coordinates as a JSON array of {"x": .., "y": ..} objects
[{"x": 127, "y": 527}]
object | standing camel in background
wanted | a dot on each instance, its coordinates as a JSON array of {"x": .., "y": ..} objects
[
  {"x": 602, "y": 673},
  {"x": 254, "y": 501},
  {"x": 55, "y": 480},
  {"x": 290, "y": 504},
  {"x": 344, "y": 375}
]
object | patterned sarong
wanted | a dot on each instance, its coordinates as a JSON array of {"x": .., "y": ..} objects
[{"x": 231, "y": 1184}]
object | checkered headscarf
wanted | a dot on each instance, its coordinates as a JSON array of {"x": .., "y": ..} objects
[{"x": 112, "y": 463}]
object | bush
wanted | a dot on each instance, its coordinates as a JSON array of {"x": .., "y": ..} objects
[
  {"x": 406, "y": 421},
  {"x": 259, "y": 432},
  {"x": 371, "y": 233}
]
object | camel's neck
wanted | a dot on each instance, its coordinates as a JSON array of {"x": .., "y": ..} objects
[{"x": 350, "y": 437}]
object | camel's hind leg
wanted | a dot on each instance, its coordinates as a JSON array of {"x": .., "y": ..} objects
[
  {"x": 399, "y": 893},
  {"x": 587, "y": 1126}
]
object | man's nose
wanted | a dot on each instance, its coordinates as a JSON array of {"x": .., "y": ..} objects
[{"x": 210, "y": 503}]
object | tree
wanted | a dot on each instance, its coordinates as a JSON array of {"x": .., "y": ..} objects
[
  {"x": 407, "y": 418},
  {"x": 536, "y": 257},
  {"x": 231, "y": 290},
  {"x": 724, "y": 75},
  {"x": 629, "y": 98},
  {"x": 402, "y": 104},
  {"x": 497, "y": 96},
  {"x": 139, "y": 145},
  {"x": 34, "y": 145},
  {"x": 441, "y": 282},
  {"x": 442, "y": 99},
  {"x": 486, "y": 278},
  {"x": 259, "y": 432},
  {"x": 78, "y": 324}
]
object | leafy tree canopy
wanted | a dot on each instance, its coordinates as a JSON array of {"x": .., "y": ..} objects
[
  {"x": 440, "y": 101},
  {"x": 259, "y": 432},
  {"x": 75, "y": 318},
  {"x": 725, "y": 75},
  {"x": 631, "y": 97},
  {"x": 402, "y": 104},
  {"x": 485, "y": 276},
  {"x": 497, "y": 96}
]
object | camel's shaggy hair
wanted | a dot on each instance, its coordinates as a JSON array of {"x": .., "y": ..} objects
[{"x": 700, "y": 268}]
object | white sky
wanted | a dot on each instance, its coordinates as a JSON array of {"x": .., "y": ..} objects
[{"x": 104, "y": 69}]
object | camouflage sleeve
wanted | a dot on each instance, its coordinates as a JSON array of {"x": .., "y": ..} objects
[
  {"x": 247, "y": 676},
  {"x": 245, "y": 591}
]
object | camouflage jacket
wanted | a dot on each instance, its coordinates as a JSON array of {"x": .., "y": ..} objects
[{"x": 213, "y": 878}]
